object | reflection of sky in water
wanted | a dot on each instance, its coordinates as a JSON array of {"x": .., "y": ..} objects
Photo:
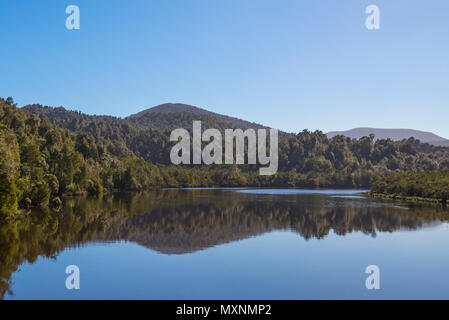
[
  {"x": 276, "y": 265},
  {"x": 301, "y": 191},
  {"x": 350, "y": 197}
]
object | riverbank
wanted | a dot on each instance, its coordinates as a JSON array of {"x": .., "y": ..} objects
[
  {"x": 405, "y": 198},
  {"x": 425, "y": 186}
]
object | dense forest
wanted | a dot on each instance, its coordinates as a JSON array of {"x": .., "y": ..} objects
[
  {"x": 47, "y": 153},
  {"x": 414, "y": 185}
]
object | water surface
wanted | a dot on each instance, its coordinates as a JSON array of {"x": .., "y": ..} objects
[{"x": 228, "y": 244}]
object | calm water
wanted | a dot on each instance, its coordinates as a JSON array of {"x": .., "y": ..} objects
[{"x": 228, "y": 244}]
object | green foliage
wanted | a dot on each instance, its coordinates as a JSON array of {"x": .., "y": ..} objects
[
  {"x": 8, "y": 197},
  {"x": 9, "y": 166},
  {"x": 428, "y": 184},
  {"x": 94, "y": 187},
  {"x": 56, "y": 202}
]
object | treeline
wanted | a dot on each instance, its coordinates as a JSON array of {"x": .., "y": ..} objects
[
  {"x": 47, "y": 153},
  {"x": 418, "y": 185}
]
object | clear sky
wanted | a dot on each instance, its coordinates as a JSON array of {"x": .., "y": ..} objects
[{"x": 287, "y": 64}]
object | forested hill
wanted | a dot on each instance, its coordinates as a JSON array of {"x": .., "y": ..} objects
[
  {"x": 46, "y": 153},
  {"x": 176, "y": 115},
  {"x": 145, "y": 134}
]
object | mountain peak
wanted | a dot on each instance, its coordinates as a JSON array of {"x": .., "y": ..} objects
[
  {"x": 180, "y": 115},
  {"x": 172, "y": 108}
]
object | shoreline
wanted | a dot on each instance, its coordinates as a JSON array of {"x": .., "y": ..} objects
[{"x": 406, "y": 198}]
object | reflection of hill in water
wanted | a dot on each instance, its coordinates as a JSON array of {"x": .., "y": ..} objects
[
  {"x": 183, "y": 228},
  {"x": 192, "y": 228},
  {"x": 177, "y": 222}
]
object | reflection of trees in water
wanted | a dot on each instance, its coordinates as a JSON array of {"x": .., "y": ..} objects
[{"x": 185, "y": 221}]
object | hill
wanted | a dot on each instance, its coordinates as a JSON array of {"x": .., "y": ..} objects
[
  {"x": 393, "y": 134},
  {"x": 170, "y": 116}
]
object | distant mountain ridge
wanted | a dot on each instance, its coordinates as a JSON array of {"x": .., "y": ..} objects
[{"x": 393, "y": 134}]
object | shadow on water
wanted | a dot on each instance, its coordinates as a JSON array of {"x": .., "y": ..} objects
[{"x": 183, "y": 221}]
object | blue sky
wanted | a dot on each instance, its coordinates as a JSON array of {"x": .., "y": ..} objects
[{"x": 287, "y": 64}]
